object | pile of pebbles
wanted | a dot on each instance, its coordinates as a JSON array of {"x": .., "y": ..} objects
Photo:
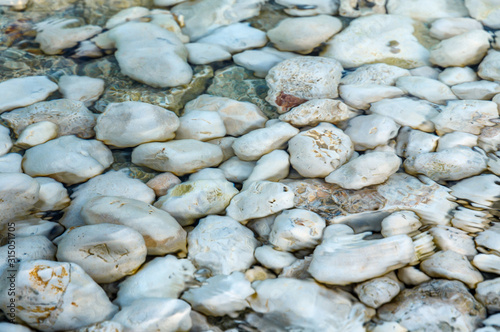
[{"x": 250, "y": 165}]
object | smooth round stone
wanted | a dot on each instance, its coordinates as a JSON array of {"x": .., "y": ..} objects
[
  {"x": 456, "y": 75},
  {"x": 191, "y": 200},
  {"x": 426, "y": 88},
  {"x": 304, "y": 34},
  {"x": 377, "y": 291},
  {"x": 44, "y": 290},
  {"x": 37, "y": 133},
  {"x": 485, "y": 11},
  {"x": 179, "y": 157},
  {"x": 260, "y": 199},
  {"x": 360, "y": 96},
  {"x": 313, "y": 7},
  {"x": 296, "y": 229},
  {"x": 208, "y": 174},
  {"x": 125, "y": 15},
  {"x": 296, "y": 80},
  {"x": 482, "y": 90},
  {"x": 369, "y": 131},
  {"x": 221, "y": 295},
  {"x": 32, "y": 226},
  {"x": 487, "y": 292},
  {"x": 406, "y": 111},
  {"x": 203, "y": 53},
  {"x": 162, "y": 277},
  {"x": 226, "y": 145},
  {"x": 274, "y": 259},
  {"x": 18, "y": 193},
  {"x": 81, "y": 88},
  {"x": 239, "y": 117},
  {"x": 412, "y": 142},
  {"x": 106, "y": 252},
  {"x": 366, "y": 170},
  {"x": 24, "y": 91},
  {"x": 455, "y": 139},
  {"x": 255, "y": 144},
  {"x": 151, "y": 315},
  {"x": 162, "y": 183},
  {"x": 200, "y": 125},
  {"x": 273, "y": 166},
  {"x": 222, "y": 245},
  {"x": 160, "y": 60},
  {"x": 489, "y": 68},
  {"x": 449, "y": 264},
  {"x": 236, "y": 170},
  {"x": 67, "y": 159},
  {"x": 161, "y": 232},
  {"x": 132, "y": 123},
  {"x": 466, "y": 49},
  {"x": 236, "y": 37},
  {"x": 262, "y": 60},
  {"x": 445, "y": 28}
]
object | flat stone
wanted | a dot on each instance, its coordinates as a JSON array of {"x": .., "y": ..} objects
[
  {"x": 369, "y": 131},
  {"x": 447, "y": 165},
  {"x": 200, "y": 125},
  {"x": 405, "y": 111},
  {"x": 72, "y": 117},
  {"x": 366, "y": 41},
  {"x": 24, "y": 91},
  {"x": 262, "y": 60},
  {"x": 360, "y": 96},
  {"x": 426, "y": 88},
  {"x": 132, "y": 123},
  {"x": 445, "y": 28},
  {"x": 179, "y": 157},
  {"x": 236, "y": 37},
  {"x": 314, "y": 111},
  {"x": 205, "y": 53},
  {"x": 37, "y": 133},
  {"x": 377, "y": 73},
  {"x": 468, "y": 116},
  {"x": 81, "y": 88},
  {"x": 456, "y": 75},
  {"x": 482, "y": 90}
]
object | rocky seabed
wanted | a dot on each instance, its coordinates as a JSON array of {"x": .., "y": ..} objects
[{"x": 249, "y": 165}]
